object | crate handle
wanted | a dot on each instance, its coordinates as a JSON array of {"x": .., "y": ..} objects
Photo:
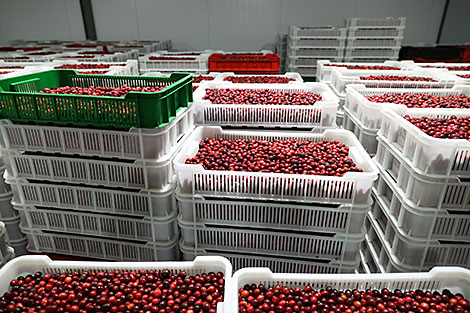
[{"x": 30, "y": 85}]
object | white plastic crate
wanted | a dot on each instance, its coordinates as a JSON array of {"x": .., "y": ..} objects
[
  {"x": 319, "y": 31},
  {"x": 304, "y": 71},
  {"x": 455, "y": 279},
  {"x": 438, "y": 192},
  {"x": 324, "y": 53},
  {"x": 320, "y": 114},
  {"x": 367, "y": 137},
  {"x": 12, "y": 227},
  {"x": 384, "y": 22},
  {"x": 428, "y": 155},
  {"x": 440, "y": 65},
  {"x": 462, "y": 78},
  {"x": 340, "y": 78},
  {"x": 127, "y": 227},
  {"x": 140, "y": 47},
  {"x": 424, "y": 253},
  {"x": 38, "y": 263},
  {"x": 272, "y": 215},
  {"x": 19, "y": 246},
  {"x": 101, "y": 248},
  {"x": 129, "y": 67},
  {"x": 43, "y": 58},
  {"x": 381, "y": 258},
  {"x": 339, "y": 247},
  {"x": 94, "y": 200},
  {"x": 418, "y": 222},
  {"x": 148, "y": 175},
  {"x": 309, "y": 42},
  {"x": 352, "y": 188},
  {"x": 136, "y": 143},
  {"x": 276, "y": 264},
  {"x": 189, "y": 63},
  {"x": 116, "y": 57},
  {"x": 361, "y": 32},
  {"x": 370, "y": 113},
  {"x": 324, "y": 69},
  {"x": 391, "y": 53},
  {"x": 6, "y": 209},
  {"x": 306, "y": 61},
  {"x": 394, "y": 42},
  {"x": 295, "y": 76},
  {"x": 369, "y": 259},
  {"x": 368, "y": 60}
]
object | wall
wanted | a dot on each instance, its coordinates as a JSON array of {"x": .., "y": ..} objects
[
  {"x": 40, "y": 20},
  {"x": 457, "y": 24},
  {"x": 250, "y": 24}
]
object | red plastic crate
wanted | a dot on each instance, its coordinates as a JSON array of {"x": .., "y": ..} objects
[{"x": 245, "y": 63}]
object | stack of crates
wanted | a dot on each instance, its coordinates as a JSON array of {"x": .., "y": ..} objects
[
  {"x": 420, "y": 217},
  {"x": 164, "y": 61},
  {"x": 326, "y": 67},
  {"x": 92, "y": 176},
  {"x": 307, "y": 45},
  {"x": 364, "y": 117},
  {"x": 287, "y": 222},
  {"x": 374, "y": 39},
  {"x": 281, "y": 50}
]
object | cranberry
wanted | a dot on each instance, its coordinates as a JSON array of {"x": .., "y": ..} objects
[
  {"x": 398, "y": 78},
  {"x": 100, "y": 91},
  {"x": 446, "y": 128},
  {"x": 277, "y": 156},
  {"x": 423, "y": 100},
  {"x": 260, "y": 96},
  {"x": 259, "y": 79}
]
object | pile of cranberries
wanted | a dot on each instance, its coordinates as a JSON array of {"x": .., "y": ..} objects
[
  {"x": 79, "y": 56},
  {"x": 6, "y": 72},
  {"x": 464, "y": 76},
  {"x": 16, "y": 58},
  {"x": 85, "y": 66},
  {"x": 199, "y": 78},
  {"x": 259, "y": 79},
  {"x": 97, "y": 52},
  {"x": 93, "y": 72},
  {"x": 43, "y": 53},
  {"x": 99, "y": 91},
  {"x": 399, "y": 78},
  {"x": 447, "y": 128},
  {"x": 451, "y": 68},
  {"x": 423, "y": 100},
  {"x": 116, "y": 291},
  {"x": 365, "y": 67},
  {"x": 258, "y": 298},
  {"x": 261, "y": 96},
  {"x": 172, "y": 58},
  {"x": 278, "y": 156},
  {"x": 12, "y": 67}
]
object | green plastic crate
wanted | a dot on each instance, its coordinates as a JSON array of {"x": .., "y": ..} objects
[{"x": 21, "y": 102}]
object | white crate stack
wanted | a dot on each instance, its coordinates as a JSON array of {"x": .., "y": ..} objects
[
  {"x": 374, "y": 39},
  {"x": 281, "y": 50},
  {"x": 420, "y": 215},
  {"x": 307, "y": 45},
  {"x": 289, "y": 223},
  {"x": 102, "y": 194}
]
